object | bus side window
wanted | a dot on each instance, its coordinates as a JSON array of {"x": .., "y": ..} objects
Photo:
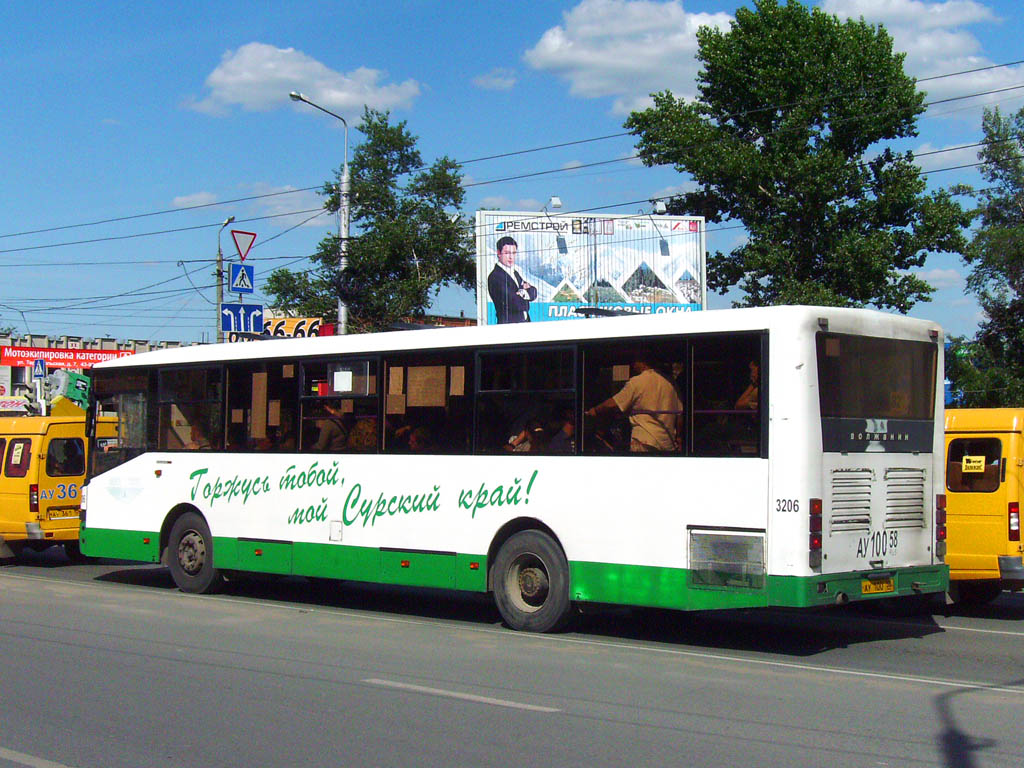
[
  {"x": 428, "y": 406},
  {"x": 608, "y": 368},
  {"x": 523, "y": 392},
  {"x": 190, "y": 408},
  {"x": 727, "y": 396}
]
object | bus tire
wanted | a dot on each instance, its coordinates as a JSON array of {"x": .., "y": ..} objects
[
  {"x": 190, "y": 556},
  {"x": 975, "y": 592},
  {"x": 73, "y": 552},
  {"x": 530, "y": 578}
]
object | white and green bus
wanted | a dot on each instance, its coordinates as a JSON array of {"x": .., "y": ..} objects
[{"x": 807, "y": 469}]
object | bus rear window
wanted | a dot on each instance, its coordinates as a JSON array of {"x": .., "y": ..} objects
[
  {"x": 861, "y": 377},
  {"x": 973, "y": 465}
]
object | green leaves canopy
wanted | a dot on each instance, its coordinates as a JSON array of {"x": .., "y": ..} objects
[
  {"x": 789, "y": 103},
  {"x": 989, "y": 370},
  {"x": 409, "y": 236}
]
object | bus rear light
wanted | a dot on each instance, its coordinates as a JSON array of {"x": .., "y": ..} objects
[
  {"x": 940, "y": 517},
  {"x": 33, "y": 498},
  {"x": 1014, "y": 520},
  {"x": 814, "y": 540}
]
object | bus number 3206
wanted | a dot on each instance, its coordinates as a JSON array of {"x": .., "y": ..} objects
[{"x": 877, "y": 544}]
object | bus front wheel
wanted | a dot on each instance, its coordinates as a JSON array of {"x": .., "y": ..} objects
[
  {"x": 190, "y": 556},
  {"x": 531, "y": 583}
]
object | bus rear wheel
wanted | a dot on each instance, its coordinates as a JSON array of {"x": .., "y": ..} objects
[
  {"x": 190, "y": 556},
  {"x": 975, "y": 592},
  {"x": 531, "y": 583},
  {"x": 73, "y": 552}
]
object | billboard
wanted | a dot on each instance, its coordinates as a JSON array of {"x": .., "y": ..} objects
[{"x": 550, "y": 265}]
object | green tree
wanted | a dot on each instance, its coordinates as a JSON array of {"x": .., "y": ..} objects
[
  {"x": 409, "y": 237},
  {"x": 782, "y": 137},
  {"x": 989, "y": 369}
]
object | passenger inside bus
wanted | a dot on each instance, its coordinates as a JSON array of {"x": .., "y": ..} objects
[
  {"x": 748, "y": 400},
  {"x": 651, "y": 401}
]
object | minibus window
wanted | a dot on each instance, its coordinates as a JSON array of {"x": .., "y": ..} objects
[
  {"x": 972, "y": 465},
  {"x": 65, "y": 457},
  {"x": 19, "y": 455}
]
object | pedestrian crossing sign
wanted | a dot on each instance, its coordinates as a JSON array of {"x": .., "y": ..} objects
[{"x": 242, "y": 278}]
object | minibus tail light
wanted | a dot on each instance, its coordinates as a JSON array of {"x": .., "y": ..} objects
[
  {"x": 33, "y": 498},
  {"x": 1014, "y": 520}
]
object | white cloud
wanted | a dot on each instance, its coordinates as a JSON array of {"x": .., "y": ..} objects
[
  {"x": 571, "y": 165},
  {"x": 498, "y": 79},
  {"x": 505, "y": 204},
  {"x": 258, "y": 77},
  {"x": 944, "y": 157},
  {"x": 935, "y": 39},
  {"x": 272, "y": 203},
  {"x": 626, "y": 49},
  {"x": 677, "y": 189},
  {"x": 941, "y": 279},
  {"x": 193, "y": 200}
]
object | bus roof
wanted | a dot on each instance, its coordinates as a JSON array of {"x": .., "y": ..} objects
[
  {"x": 841, "y": 320},
  {"x": 984, "y": 419}
]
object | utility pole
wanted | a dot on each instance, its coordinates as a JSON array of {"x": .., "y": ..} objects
[{"x": 219, "y": 274}]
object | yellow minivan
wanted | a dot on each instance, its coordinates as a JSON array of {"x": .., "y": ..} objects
[
  {"x": 984, "y": 457},
  {"x": 42, "y": 468}
]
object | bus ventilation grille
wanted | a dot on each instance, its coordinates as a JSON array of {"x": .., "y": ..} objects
[
  {"x": 905, "y": 497},
  {"x": 850, "y": 507}
]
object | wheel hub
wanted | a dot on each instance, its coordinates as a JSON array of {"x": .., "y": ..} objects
[
  {"x": 191, "y": 552},
  {"x": 533, "y": 585}
]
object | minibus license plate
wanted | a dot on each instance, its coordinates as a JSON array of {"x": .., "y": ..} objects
[{"x": 876, "y": 586}]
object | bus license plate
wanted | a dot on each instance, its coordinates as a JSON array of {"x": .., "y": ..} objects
[{"x": 876, "y": 586}]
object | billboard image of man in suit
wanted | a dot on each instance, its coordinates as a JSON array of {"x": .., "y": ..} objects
[{"x": 510, "y": 293}]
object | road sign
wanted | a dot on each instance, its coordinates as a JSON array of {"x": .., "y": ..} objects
[
  {"x": 247, "y": 318},
  {"x": 38, "y": 369},
  {"x": 243, "y": 242},
  {"x": 242, "y": 278}
]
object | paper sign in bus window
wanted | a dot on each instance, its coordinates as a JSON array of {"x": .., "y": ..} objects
[
  {"x": 343, "y": 381},
  {"x": 973, "y": 464}
]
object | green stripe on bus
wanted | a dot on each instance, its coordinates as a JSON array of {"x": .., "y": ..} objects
[
  {"x": 120, "y": 545},
  {"x": 611, "y": 583}
]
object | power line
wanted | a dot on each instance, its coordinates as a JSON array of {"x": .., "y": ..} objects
[{"x": 498, "y": 156}]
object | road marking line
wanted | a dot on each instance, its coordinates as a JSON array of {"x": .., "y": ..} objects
[
  {"x": 527, "y": 637},
  {"x": 30, "y": 760},
  {"x": 457, "y": 695}
]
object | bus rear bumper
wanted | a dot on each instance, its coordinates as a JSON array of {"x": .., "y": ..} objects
[
  {"x": 842, "y": 588},
  {"x": 1011, "y": 571}
]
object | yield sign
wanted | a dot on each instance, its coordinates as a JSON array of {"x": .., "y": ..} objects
[{"x": 243, "y": 242}]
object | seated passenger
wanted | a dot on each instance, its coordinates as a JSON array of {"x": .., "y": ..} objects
[{"x": 748, "y": 400}]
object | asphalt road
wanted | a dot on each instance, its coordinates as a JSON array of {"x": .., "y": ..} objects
[{"x": 107, "y": 664}]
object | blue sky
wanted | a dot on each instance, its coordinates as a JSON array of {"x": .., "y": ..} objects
[{"x": 123, "y": 117}]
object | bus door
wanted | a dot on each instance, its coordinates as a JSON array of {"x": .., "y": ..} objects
[
  {"x": 61, "y": 473},
  {"x": 981, "y": 486}
]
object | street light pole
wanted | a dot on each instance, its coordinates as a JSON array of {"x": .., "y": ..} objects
[
  {"x": 220, "y": 279},
  {"x": 343, "y": 210}
]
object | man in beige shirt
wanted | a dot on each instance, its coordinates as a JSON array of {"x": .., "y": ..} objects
[{"x": 654, "y": 408}]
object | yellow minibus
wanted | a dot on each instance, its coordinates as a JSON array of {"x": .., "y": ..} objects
[
  {"x": 42, "y": 468},
  {"x": 984, "y": 456}
]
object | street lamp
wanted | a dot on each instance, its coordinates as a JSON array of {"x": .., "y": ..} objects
[
  {"x": 343, "y": 210},
  {"x": 220, "y": 279}
]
